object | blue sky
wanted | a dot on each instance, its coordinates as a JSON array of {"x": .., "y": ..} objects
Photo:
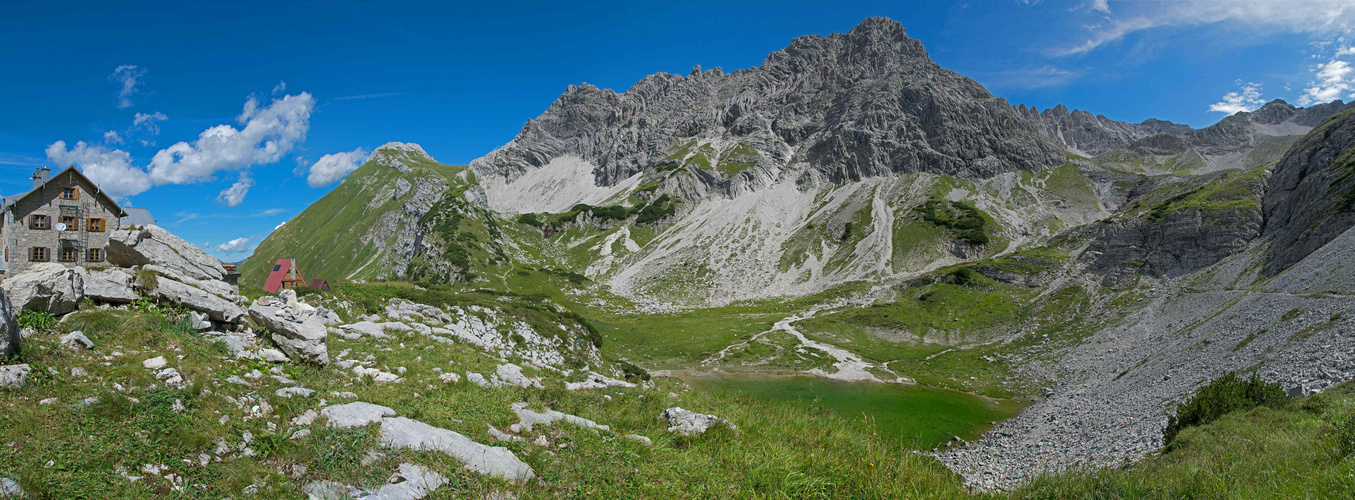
[{"x": 226, "y": 121}]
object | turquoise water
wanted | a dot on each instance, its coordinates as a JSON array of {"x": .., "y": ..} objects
[{"x": 915, "y": 416}]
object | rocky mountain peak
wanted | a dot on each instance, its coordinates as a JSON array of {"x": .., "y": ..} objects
[
  {"x": 404, "y": 147},
  {"x": 393, "y": 154},
  {"x": 1273, "y": 112},
  {"x": 838, "y": 108}
]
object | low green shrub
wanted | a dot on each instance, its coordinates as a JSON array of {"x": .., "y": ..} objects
[
  {"x": 1223, "y": 395},
  {"x": 38, "y": 321},
  {"x": 633, "y": 372},
  {"x": 657, "y": 210},
  {"x": 967, "y": 220},
  {"x": 531, "y": 219}
]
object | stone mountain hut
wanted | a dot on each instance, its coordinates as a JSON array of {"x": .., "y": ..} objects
[{"x": 65, "y": 218}]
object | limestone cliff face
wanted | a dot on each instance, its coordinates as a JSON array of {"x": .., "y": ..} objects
[
  {"x": 1312, "y": 196},
  {"x": 1174, "y": 231},
  {"x": 838, "y": 108}
]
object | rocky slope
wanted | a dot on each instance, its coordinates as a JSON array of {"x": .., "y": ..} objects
[{"x": 1280, "y": 305}]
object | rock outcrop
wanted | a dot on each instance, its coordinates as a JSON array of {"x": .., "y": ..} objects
[
  {"x": 1209, "y": 220},
  {"x": 1311, "y": 199},
  {"x": 13, "y": 376},
  {"x": 153, "y": 245},
  {"x": 113, "y": 286},
  {"x": 217, "y": 307},
  {"x": 403, "y": 432},
  {"x": 297, "y": 328},
  {"x": 181, "y": 273},
  {"x": 48, "y": 287}
]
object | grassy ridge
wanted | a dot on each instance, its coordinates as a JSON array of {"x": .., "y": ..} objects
[{"x": 329, "y": 238}]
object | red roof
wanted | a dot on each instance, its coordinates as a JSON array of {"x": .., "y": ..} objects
[{"x": 284, "y": 270}]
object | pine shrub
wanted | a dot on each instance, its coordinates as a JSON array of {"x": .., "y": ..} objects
[{"x": 1224, "y": 395}]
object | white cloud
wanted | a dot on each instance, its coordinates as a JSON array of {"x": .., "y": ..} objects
[
  {"x": 279, "y": 226},
  {"x": 110, "y": 169},
  {"x": 128, "y": 77},
  {"x": 1102, "y": 6},
  {"x": 149, "y": 121},
  {"x": 146, "y": 126},
  {"x": 235, "y": 194},
  {"x": 279, "y": 88},
  {"x": 332, "y": 167},
  {"x": 1247, "y": 98},
  {"x": 1333, "y": 81},
  {"x": 268, "y": 134},
  {"x": 1309, "y": 16},
  {"x": 238, "y": 245}
]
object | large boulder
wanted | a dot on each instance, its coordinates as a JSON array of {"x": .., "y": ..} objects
[
  {"x": 197, "y": 299},
  {"x": 111, "y": 285},
  {"x": 9, "y": 328},
  {"x": 48, "y": 287},
  {"x": 152, "y": 245},
  {"x": 301, "y": 335}
]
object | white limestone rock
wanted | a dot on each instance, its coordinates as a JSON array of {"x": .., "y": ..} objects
[
  {"x": 528, "y": 418},
  {"x": 10, "y": 488},
  {"x": 401, "y": 432},
  {"x": 302, "y": 338},
  {"x": 246, "y": 346},
  {"x": 77, "y": 340},
  {"x": 354, "y": 414},
  {"x": 597, "y": 381},
  {"x": 154, "y": 245},
  {"x": 372, "y": 329},
  {"x": 155, "y": 363},
  {"x": 13, "y": 376},
  {"x": 200, "y": 321},
  {"x": 216, "y": 307},
  {"x": 288, "y": 392},
  {"x": 113, "y": 285},
  {"x": 511, "y": 374},
  {"x": 689, "y": 423},
  {"x": 47, "y": 287}
]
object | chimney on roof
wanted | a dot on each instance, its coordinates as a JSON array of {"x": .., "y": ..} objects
[{"x": 40, "y": 176}]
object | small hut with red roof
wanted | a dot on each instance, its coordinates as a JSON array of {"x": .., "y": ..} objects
[{"x": 285, "y": 276}]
